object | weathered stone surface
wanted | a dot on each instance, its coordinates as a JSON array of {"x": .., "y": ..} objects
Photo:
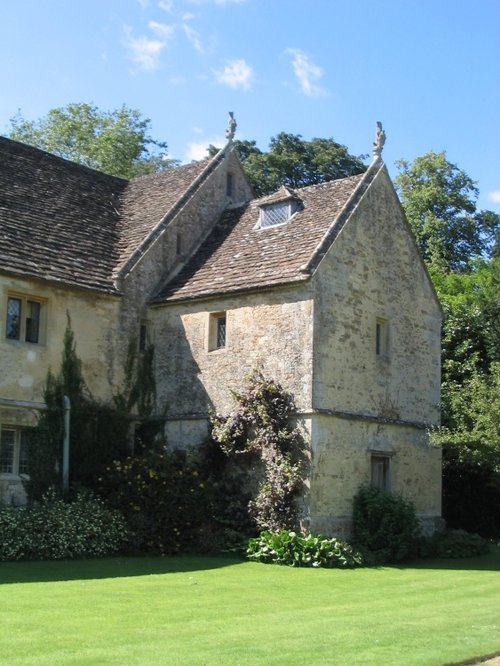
[{"x": 301, "y": 302}]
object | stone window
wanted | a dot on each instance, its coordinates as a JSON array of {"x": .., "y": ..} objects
[
  {"x": 14, "y": 450},
  {"x": 217, "y": 331},
  {"x": 382, "y": 337},
  {"x": 381, "y": 472},
  {"x": 275, "y": 214},
  {"x": 143, "y": 335},
  {"x": 25, "y": 318}
]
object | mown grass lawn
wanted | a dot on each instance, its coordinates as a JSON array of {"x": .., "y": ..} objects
[{"x": 216, "y": 610}]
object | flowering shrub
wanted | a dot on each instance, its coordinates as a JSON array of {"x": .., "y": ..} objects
[
  {"x": 264, "y": 453},
  {"x": 163, "y": 496},
  {"x": 52, "y": 529},
  {"x": 299, "y": 550}
]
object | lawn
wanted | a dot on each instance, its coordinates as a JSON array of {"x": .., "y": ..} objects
[{"x": 216, "y": 610}]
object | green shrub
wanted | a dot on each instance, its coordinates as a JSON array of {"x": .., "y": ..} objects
[
  {"x": 164, "y": 497},
  {"x": 457, "y": 543},
  {"x": 298, "y": 550},
  {"x": 385, "y": 527},
  {"x": 52, "y": 529}
]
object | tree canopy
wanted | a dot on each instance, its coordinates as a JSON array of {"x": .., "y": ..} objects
[
  {"x": 440, "y": 203},
  {"x": 294, "y": 162},
  {"x": 116, "y": 142}
]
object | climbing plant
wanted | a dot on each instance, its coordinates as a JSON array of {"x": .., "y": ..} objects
[
  {"x": 264, "y": 457},
  {"x": 99, "y": 431}
]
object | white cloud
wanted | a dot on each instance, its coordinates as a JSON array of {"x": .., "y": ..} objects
[
  {"x": 236, "y": 74},
  {"x": 197, "y": 150},
  {"x": 166, "y": 5},
  {"x": 144, "y": 51},
  {"x": 144, "y": 3},
  {"x": 161, "y": 29},
  {"x": 307, "y": 73},
  {"x": 194, "y": 37},
  {"x": 494, "y": 196}
]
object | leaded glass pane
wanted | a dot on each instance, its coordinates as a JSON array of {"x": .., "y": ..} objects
[
  {"x": 221, "y": 332},
  {"x": 33, "y": 321},
  {"x": 274, "y": 214},
  {"x": 7, "y": 439},
  {"x": 13, "y": 318}
]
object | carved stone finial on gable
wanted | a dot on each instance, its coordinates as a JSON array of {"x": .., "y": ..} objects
[
  {"x": 378, "y": 144},
  {"x": 231, "y": 127}
]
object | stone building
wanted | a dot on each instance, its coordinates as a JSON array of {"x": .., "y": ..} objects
[{"x": 320, "y": 288}]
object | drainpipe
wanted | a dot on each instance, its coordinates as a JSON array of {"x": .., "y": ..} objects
[{"x": 67, "y": 413}]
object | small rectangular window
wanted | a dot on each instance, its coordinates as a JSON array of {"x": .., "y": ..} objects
[
  {"x": 217, "y": 331},
  {"x": 7, "y": 444},
  {"x": 380, "y": 472},
  {"x": 221, "y": 331},
  {"x": 13, "y": 318},
  {"x": 143, "y": 336},
  {"x": 382, "y": 337},
  {"x": 14, "y": 450},
  {"x": 25, "y": 317}
]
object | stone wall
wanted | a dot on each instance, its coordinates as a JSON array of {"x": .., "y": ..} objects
[
  {"x": 270, "y": 332},
  {"x": 374, "y": 273},
  {"x": 181, "y": 236},
  {"x": 24, "y": 365},
  {"x": 341, "y": 462}
]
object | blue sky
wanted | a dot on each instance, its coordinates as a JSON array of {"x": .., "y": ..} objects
[{"x": 428, "y": 69}]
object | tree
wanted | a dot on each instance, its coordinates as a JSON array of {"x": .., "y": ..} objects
[
  {"x": 116, "y": 142},
  {"x": 470, "y": 407},
  {"x": 440, "y": 203},
  {"x": 294, "y": 162}
]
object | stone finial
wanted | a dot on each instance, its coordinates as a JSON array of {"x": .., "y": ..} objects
[
  {"x": 231, "y": 127},
  {"x": 378, "y": 144}
]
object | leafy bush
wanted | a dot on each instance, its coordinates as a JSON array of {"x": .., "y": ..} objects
[
  {"x": 52, "y": 529},
  {"x": 385, "y": 527},
  {"x": 262, "y": 476},
  {"x": 164, "y": 497},
  {"x": 457, "y": 543},
  {"x": 297, "y": 550}
]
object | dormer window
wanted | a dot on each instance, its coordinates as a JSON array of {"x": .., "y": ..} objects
[{"x": 278, "y": 208}]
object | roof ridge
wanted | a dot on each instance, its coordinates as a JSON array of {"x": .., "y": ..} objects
[{"x": 175, "y": 208}]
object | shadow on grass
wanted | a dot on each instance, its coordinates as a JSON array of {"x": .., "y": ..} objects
[
  {"x": 488, "y": 562},
  {"x": 110, "y": 567}
]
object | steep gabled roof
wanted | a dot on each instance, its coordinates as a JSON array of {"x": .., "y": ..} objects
[
  {"x": 58, "y": 220},
  {"x": 64, "y": 222},
  {"x": 239, "y": 256}
]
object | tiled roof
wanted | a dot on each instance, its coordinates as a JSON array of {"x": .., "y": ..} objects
[
  {"x": 58, "y": 220},
  {"x": 146, "y": 200},
  {"x": 64, "y": 222},
  {"x": 238, "y": 256}
]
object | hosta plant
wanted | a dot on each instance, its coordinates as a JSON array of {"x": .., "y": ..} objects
[{"x": 302, "y": 550}]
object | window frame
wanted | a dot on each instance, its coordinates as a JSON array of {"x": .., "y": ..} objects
[
  {"x": 381, "y": 460},
  {"x": 19, "y": 458},
  {"x": 291, "y": 205},
  {"x": 217, "y": 331},
  {"x": 382, "y": 338},
  {"x": 26, "y": 333}
]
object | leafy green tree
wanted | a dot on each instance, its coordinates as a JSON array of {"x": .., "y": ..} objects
[
  {"x": 294, "y": 162},
  {"x": 116, "y": 142},
  {"x": 440, "y": 203},
  {"x": 470, "y": 435}
]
